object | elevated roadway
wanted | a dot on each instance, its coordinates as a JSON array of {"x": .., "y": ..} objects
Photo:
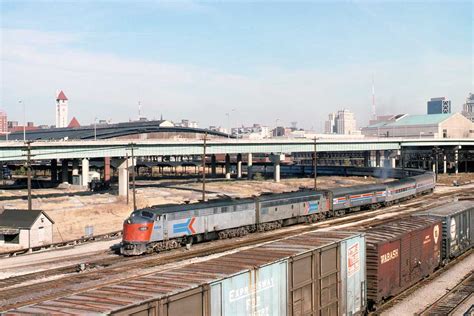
[{"x": 45, "y": 150}]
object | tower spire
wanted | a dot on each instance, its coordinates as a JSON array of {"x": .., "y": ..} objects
[{"x": 374, "y": 113}]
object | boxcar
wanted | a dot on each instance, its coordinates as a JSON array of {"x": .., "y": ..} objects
[
  {"x": 318, "y": 273},
  {"x": 458, "y": 227},
  {"x": 399, "y": 254}
]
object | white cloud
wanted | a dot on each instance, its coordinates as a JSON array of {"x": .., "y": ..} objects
[{"x": 35, "y": 64}]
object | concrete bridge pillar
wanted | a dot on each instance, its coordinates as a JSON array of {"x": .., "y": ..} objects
[
  {"x": 386, "y": 159},
  {"x": 227, "y": 166},
  {"x": 276, "y": 159},
  {"x": 75, "y": 167},
  {"x": 85, "y": 172},
  {"x": 213, "y": 166},
  {"x": 123, "y": 175},
  {"x": 239, "y": 166},
  {"x": 378, "y": 158},
  {"x": 249, "y": 166},
  {"x": 373, "y": 158},
  {"x": 393, "y": 162},
  {"x": 444, "y": 164},
  {"x": 456, "y": 160},
  {"x": 106, "y": 169},
  {"x": 367, "y": 159},
  {"x": 54, "y": 170},
  {"x": 65, "y": 170}
]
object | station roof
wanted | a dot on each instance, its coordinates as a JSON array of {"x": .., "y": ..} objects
[
  {"x": 107, "y": 131},
  {"x": 428, "y": 119},
  {"x": 20, "y": 218}
]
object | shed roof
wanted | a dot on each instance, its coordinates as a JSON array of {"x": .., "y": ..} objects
[
  {"x": 428, "y": 119},
  {"x": 20, "y": 218}
]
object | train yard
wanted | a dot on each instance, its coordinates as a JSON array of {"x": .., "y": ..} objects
[{"x": 105, "y": 267}]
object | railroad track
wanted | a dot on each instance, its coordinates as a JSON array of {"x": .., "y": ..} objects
[
  {"x": 449, "y": 302},
  {"x": 67, "y": 280},
  {"x": 62, "y": 245}
]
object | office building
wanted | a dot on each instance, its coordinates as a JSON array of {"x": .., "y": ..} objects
[
  {"x": 342, "y": 122},
  {"x": 3, "y": 122},
  {"x": 468, "y": 107},
  {"x": 438, "y": 106}
]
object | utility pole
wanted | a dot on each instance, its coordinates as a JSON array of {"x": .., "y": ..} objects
[
  {"x": 204, "y": 169},
  {"x": 133, "y": 181},
  {"x": 28, "y": 172},
  {"x": 315, "y": 165},
  {"x": 128, "y": 178}
]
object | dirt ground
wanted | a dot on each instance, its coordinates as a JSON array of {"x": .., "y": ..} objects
[
  {"x": 72, "y": 209},
  {"x": 461, "y": 178}
]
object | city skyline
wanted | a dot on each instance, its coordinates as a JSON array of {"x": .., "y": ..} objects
[{"x": 185, "y": 59}]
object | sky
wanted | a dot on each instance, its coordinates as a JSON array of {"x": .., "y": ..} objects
[{"x": 261, "y": 61}]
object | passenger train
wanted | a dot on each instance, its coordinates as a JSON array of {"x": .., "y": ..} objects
[{"x": 165, "y": 227}]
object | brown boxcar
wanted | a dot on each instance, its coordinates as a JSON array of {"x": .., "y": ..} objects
[
  {"x": 399, "y": 254},
  {"x": 301, "y": 275}
]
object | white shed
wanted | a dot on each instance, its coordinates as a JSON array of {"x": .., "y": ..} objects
[{"x": 26, "y": 229}]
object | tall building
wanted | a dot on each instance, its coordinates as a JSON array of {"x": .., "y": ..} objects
[
  {"x": 439, "y": 106},
  {"x": 3, "y": 122},
  {"x": 330, "y": 124},
  {"x": 61, "y": 110},
  {"x": 468, "y": 107},
  {"x": 342, "y": 122}
]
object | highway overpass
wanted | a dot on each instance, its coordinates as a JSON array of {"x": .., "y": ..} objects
[{"x": 46, "y": 150}]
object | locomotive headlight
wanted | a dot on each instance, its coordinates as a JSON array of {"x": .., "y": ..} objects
[{"x": 143, "y": 228}]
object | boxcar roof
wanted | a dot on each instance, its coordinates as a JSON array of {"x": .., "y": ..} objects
[
  {"x": 395, "y": 229},
  {"x": 121, "y": 295},
  {"x": 449, "y": 209}
]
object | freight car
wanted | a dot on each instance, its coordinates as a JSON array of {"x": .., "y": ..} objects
[
  {"x": 170, "y": 226},
  {"x": 458, "y": 227},
  {"x": 317, "y": 273},
  {"x": 399, "y": 254}
]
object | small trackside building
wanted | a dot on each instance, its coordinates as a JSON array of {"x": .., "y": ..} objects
[{"x": 25, "y": 229}]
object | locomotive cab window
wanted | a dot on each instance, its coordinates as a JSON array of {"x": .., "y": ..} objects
[{"x": 147, "y": 214}]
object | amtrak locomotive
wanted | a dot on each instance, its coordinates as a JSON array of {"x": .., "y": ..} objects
[{"x": 170, "y": 226}]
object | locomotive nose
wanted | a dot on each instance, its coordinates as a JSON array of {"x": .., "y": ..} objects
[{"x": 137, "y": 232}]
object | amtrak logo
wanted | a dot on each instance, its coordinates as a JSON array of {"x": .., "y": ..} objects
[
  {"x": 185, "y": 227},
  {"x": 312, "y": 207}
]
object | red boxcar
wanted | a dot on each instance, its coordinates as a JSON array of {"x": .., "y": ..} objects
[{"x": 399, "y": 254}]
